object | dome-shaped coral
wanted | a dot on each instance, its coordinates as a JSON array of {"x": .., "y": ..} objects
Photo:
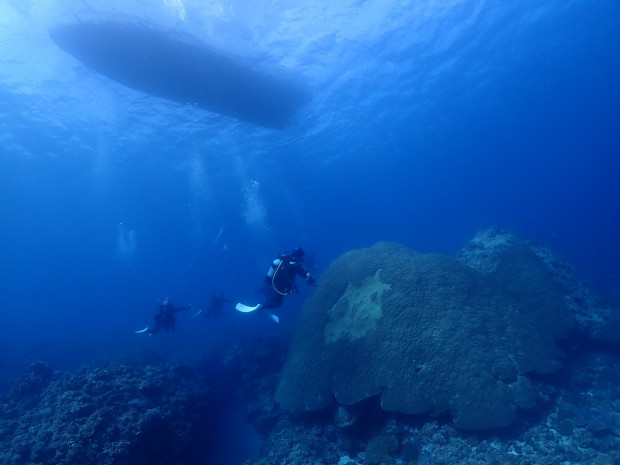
[{"x": 426, "y": 333}]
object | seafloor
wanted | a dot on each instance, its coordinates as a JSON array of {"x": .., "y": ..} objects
[
  {"x": 152, "y": 411},
  {"x": 125, "y": 414}
]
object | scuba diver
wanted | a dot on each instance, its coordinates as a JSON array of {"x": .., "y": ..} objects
[
  {"x": 215, "y": 306},
  {"x": 280, "y": 281},
  {"x": 164, "y": 317}
]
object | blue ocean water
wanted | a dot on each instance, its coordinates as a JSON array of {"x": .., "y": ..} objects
[{"x": 427, "y": 121}]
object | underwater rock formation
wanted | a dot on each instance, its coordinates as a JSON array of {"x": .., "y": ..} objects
[
  {"x": 427, "y": 333},
  {"x": 112, "y": 414},
  {"x": 579, "y": 424},
  {"x": 492, "y": 252}
]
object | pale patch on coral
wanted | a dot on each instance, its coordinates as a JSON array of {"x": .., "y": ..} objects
[{"x": 357, "y": 312}]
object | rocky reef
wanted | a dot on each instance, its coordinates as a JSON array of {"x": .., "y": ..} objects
[
  {"x": 500, "y": 355},
  {"x": 112, "y": 414},
  {"x": 427, "y": 333},
  {"x": 576, "y": 418},
  {"x": 492, "y": 252},
  {"x": 577, "y": 422}
]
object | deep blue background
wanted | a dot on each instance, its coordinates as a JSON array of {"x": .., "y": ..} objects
[{"x": 427, "y": 123}]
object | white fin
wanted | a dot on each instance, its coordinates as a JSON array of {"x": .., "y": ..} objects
[
  {"x": 246, "y": 309},
  {"x": 273, "y": 317},
  {"x": 142, "y": 330}
]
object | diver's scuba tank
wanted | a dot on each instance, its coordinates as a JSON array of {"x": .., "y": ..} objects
[
  {"x": 273, "y": 271},
  {"x": 273, "y": 267}
]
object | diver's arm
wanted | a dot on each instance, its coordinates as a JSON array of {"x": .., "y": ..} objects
[
  {"x": 306, "y": 274},
  {"x": 179, "y": 309}
]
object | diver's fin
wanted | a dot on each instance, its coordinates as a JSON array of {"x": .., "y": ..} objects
[
  {"x": 142, "y": 330},
  {"x": 273, "y": 316},
  {"x": 246, "y": 309}
]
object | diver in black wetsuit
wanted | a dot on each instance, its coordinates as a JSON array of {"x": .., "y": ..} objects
[
  {"x": 164, "y": 317},
  {"x": 280, "y": 279}
]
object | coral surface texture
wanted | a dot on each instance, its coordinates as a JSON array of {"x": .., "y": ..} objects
[
  {"x": 109, "y": 415},
  {"x": 427, "y": 333}
]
